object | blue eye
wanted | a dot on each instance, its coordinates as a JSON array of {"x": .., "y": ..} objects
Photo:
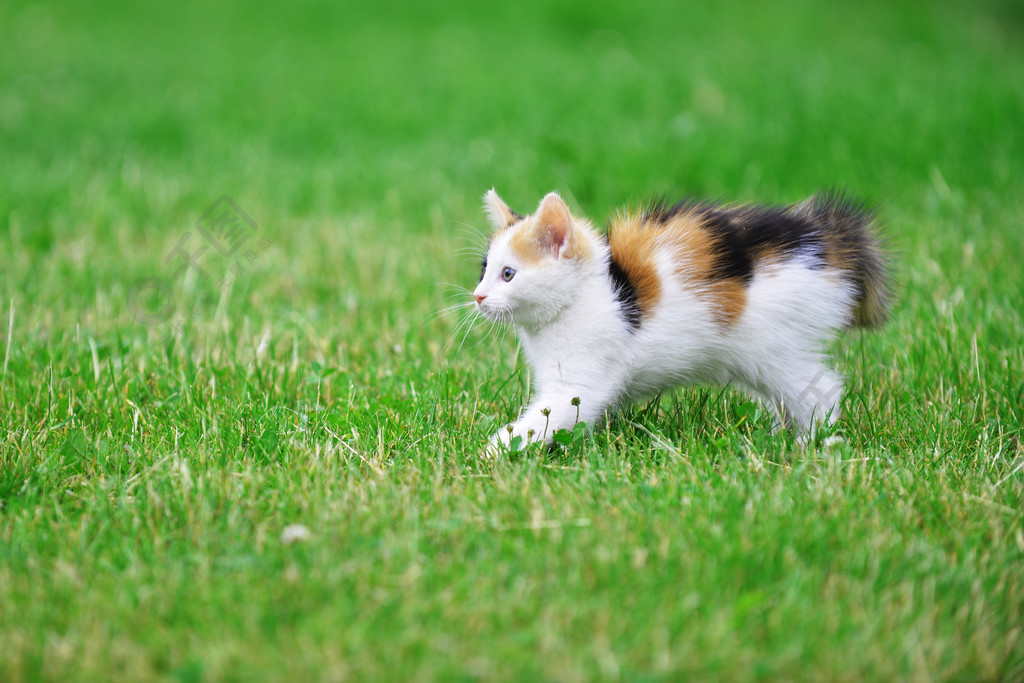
[{"x": 508, "y": 273}]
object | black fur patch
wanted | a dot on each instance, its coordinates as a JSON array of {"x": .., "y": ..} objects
[
  {"x": 741, "y": 235},
  {"x": 625, "y": 293}
]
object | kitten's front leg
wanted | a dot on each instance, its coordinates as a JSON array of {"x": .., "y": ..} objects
[{"x": 547, "y": 415}]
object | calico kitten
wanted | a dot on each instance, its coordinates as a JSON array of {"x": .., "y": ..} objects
[{"x": 694, "y": 292}]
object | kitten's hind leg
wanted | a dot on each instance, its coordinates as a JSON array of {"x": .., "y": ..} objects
[
  {"x": 769, "y": 402},
  {"x": 810, "y": 396}
]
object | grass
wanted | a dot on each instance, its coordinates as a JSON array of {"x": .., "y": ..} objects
[{"x": 149, "y": 468}]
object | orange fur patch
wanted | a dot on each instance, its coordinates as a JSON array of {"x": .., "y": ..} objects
[
  {"x": 531, "y": 242},
  {"x": 730, "y": 296},
  {"x": 527, "y": 244},
  {"x": 635, "y": 240},
  {"x": 633, "y": 246},
  {"x": 499, "y": 230}
]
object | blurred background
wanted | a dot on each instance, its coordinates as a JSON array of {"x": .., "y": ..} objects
[
  {"x": 229, "y": 233},
  {"x": 359, "y": 137}
]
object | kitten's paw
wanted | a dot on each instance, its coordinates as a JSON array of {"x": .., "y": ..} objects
[
  {"x": 499, "y": 444},
  {"x": 511, "y": 439},
  {"x": 827, "y": 443},
  {"x": 833, "y": 441},
  {"x": 494, "y": 448}
]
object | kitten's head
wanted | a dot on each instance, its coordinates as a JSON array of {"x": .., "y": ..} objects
[{"x": 534, "y": 264}]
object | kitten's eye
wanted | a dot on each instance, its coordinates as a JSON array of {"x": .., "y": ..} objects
[
  {"x": 508, "y": 273},
  {"x": 483, "y": 269}
]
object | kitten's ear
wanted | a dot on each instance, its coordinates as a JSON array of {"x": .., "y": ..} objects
[
  {"x": 501, "y": 216},
  {"x": 554, "y": 222}
]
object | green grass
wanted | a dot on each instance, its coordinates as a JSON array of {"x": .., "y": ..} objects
[{"x": 147, "y": 471}]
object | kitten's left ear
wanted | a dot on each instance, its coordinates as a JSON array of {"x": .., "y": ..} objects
[
  {"x": 501, "y": 216},
  {"x": 555, "y": 223}
]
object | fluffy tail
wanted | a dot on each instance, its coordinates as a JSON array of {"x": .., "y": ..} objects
[{"x": 852, "y": 245}]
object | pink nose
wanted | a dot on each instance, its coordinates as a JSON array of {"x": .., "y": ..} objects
[{"x": 479, "y": 298}]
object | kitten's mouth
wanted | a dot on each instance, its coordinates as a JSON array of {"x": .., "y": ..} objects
[
  {"x": 490, "y": 312},
  {"x": 484, "y": 311}
]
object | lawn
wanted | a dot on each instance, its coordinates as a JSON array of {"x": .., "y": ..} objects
[{"x": 176, "y": 397}]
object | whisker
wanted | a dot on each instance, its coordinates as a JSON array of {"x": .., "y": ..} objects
[
  {"x": 465, "y": 324},
  {"x": 446, "y": 351},
  {"x": 456, "y": 297},
  {"x": 469, "y": 324},
  {"x": 460, "y": 297},
  {"x": 441, "y": 313},
  {"x": 453, "y": 285},
  {"x": 470, "y": 230},
  {"x": 499, "y": 326}
]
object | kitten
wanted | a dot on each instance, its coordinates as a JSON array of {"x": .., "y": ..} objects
[{"x": 692, "y": 293}]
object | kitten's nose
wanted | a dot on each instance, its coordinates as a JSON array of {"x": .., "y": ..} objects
[{"x": 479, "y": 298}]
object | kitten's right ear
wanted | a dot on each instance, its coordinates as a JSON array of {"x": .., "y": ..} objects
[{"x": 501, "y": 216}]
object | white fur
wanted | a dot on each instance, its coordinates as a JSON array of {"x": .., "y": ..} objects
[
  {"x": 568, "y": 320},
  {"x": 497, "y": 210}
]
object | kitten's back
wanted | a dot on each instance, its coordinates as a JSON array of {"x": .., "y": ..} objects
[{"x": 717, "y": 249}]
